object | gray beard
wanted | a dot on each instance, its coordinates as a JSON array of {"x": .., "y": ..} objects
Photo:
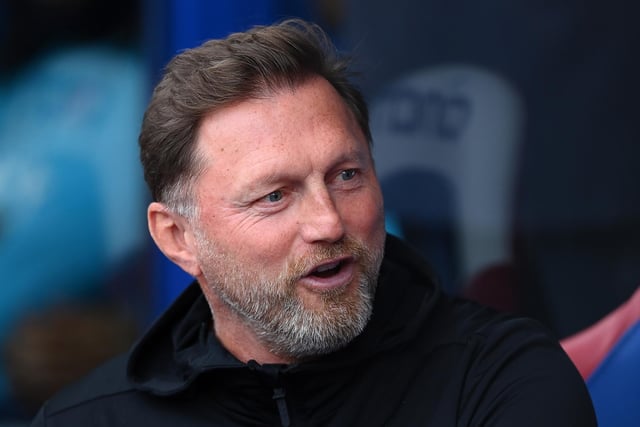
[{"x": 277, "y": 316}]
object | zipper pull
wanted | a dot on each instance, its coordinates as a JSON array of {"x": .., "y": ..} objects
[{"x": 278, "y": 396}]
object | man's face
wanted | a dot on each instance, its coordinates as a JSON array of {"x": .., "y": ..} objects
[{"x": 291, "y": 228}]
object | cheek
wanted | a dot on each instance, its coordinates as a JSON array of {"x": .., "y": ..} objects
[
  {"x": 266, "y": 244},
  {"x": 365, "y": 216},
  {"x": 259, "y": 242}
]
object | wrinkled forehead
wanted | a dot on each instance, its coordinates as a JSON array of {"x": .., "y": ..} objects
[
  {"x": 274, "y": 117},
  {"x": 309, "y": 124}
]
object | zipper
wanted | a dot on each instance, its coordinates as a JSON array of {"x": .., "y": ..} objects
[
  {"x": 279, "y": 396},
  {"x": 271, "y": 373}
]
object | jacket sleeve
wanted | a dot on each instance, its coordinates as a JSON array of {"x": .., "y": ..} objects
[{"x": 520, "y": 376}]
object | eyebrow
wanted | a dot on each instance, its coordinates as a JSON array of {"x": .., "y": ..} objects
[{"x": 258, "y": 183}]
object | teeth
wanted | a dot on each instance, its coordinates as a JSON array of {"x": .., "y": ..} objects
[{"x": 327, "y": 267}]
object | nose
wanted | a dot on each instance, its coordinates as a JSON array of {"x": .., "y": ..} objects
[{"x": 320, "y": 220}]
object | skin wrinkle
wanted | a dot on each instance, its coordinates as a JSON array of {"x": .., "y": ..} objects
[{"x": 252, "y": 253}]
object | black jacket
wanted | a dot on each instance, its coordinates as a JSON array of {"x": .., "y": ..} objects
[{"x": 424, "y": 359}]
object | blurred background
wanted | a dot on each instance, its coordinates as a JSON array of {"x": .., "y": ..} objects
[{"x": 505, "y": 139}]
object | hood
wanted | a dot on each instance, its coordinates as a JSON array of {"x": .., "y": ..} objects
[{"x": 181, "y": 345}]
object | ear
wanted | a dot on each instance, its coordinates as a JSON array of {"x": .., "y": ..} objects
[{"x": 172, "y": 234}]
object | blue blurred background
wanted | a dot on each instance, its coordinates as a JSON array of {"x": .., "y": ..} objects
[{"x": 505, "y": 138}]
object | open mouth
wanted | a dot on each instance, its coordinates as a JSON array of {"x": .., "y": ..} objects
[
  {"x": 327, "y": 270},
  {"x": 331, "y": 274}
]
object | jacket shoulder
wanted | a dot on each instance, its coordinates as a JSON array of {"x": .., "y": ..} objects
[
  {"x": 103, "y": 383},
  {"x": 517, "y": 373}
]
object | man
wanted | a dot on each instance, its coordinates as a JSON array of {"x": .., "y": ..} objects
[{"x": 257, "y": 152}]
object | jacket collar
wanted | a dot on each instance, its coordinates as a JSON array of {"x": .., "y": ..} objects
[{"x": 181, "y": 344}]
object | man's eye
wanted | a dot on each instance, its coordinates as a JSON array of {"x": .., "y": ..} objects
[
  {"x": 275, "y": 196},
  {"x": 348, "y": 174}
]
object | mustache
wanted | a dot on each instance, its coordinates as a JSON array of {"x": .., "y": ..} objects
[{"x": 301, "y": 266}]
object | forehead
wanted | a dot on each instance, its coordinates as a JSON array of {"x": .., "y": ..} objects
[{"x": 311, "y": 117}]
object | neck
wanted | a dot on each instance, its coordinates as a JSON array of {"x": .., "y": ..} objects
[{"x": 237, "y": 337}]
